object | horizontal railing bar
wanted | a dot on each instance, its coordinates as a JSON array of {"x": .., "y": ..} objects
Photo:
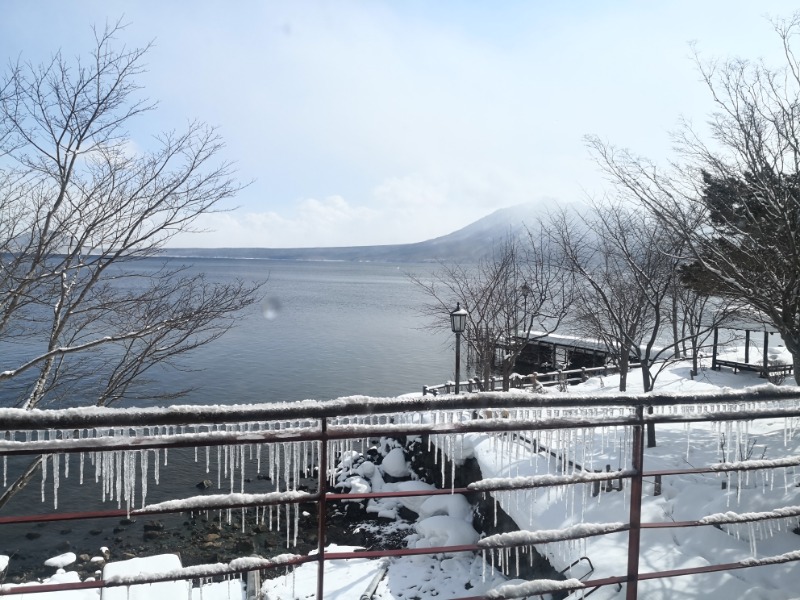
[
  {"x": 605, "y": 581},
  {"x": 407, "y": 494},
  {"x": 340, "y": 432},
  {"x": 184, "y": 574},
  {"x": 401, "y": 552},
  {"x": 77, "y": 418}
]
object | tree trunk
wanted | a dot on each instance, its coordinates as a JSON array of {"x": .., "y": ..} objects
[
  {"x": 796, "y": 366},
  {"x": 651, "y": 430},
  {"x": 647, "y": 379},
  {"x": 623, "y": 370},
  {"x": 675, "y": 335}
]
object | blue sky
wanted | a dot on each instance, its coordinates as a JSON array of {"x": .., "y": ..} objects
[{"x": 393, "y": 122}]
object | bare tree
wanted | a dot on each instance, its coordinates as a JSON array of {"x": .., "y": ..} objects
[
  {"x": 79, "y": 210},
  {"x": 627, "y": 271},
  {"x": 734, "y": 201},
  {"x": 515, "y": 295}
]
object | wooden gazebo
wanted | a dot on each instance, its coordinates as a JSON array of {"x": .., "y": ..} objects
[{"x": 764, "y": 368}]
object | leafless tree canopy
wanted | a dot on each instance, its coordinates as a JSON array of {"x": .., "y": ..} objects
[
  {"x": 516, "y": 294},
  {"x": 80, "y": 313},
  {"x": 733, "y": 197},
  {"x": 626, "y": 268}
]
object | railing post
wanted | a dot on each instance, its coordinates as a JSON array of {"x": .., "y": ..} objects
[
  {"x": 322, "y": 506},
  {"x": 635, "y": 521}
]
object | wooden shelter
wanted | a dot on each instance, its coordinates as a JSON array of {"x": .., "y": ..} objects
[{"x": 764, "y": 367}]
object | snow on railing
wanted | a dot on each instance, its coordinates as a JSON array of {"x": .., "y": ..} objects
[{"x": 125, "y": 449}]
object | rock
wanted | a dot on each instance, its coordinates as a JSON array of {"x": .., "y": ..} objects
[
  {"x": 84, "y": 558},
  {"x": 127, "y": 521},
  {"x": 212, "y": 537},
  {"x": 244, "y": 546},
  {"x": 149, "y": 536},
  {"x": 205, "y": 484},
  {"x": 95, "y": 531},
  {"x": 32, "y": 535},
  {"x": 154, "y": 526}
]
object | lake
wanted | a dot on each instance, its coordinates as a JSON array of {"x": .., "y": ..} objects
[{"x": 324, "y": 330}]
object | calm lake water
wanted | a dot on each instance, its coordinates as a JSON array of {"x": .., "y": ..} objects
[{"x": 324, "y": 330}]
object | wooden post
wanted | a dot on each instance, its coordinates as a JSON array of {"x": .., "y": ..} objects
[
  {"x": 747, "y": 346},
  {"x": 714, "y": 350},
  {"x": 635, "y": 520},
  {"x": 765, "y": 373},
  {"x": 322, "y": 505}
]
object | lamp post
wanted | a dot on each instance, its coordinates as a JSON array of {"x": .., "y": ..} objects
[
  {"x": 458, "y": 323},
  {"x": 525, "y": 290}
]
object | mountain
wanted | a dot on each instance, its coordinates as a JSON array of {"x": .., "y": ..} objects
[{"x": 467, "y": 244}]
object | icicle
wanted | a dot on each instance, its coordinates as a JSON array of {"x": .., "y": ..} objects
[
  {"x": 5, "y": 471},
  {"x": 241, "y": 475},
  {"x": 119, "y": 457},
  {"x": 156, "y": 471},
  {"x": 144, "y": 461},
  {"x": 219, "y": 467},
  {"x": 80, "y": 468},
  {"x": 688, "y": 440},
  {"x": 56, "y": 469},
  {"x": 44, "y": 473}
]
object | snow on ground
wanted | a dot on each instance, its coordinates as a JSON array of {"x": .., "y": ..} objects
[
  {"x": 406, "y": 578},
  {"x": 683, "y": 498}
]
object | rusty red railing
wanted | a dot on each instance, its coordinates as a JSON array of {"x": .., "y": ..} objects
[{"x": 327, "y": 428}]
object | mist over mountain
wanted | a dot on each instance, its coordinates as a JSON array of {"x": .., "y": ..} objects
[{"x": 469, "y": 243}]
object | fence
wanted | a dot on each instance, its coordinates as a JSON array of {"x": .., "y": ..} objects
[
  {"x": 296, "y": 435},
  {"x": 551, "y": 378}
]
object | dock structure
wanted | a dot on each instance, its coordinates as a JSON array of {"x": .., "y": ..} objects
[
  {"x": 550, "y": 351},
  {"x": 772, "y": 361}
]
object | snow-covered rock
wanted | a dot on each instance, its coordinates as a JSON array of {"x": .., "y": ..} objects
[
  {"x": 443, "y": 530},
  {"x": 62, "y": 560},
  {"x": 395, "y": 464}
]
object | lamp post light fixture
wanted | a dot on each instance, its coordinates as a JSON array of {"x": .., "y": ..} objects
[{"x": 458, "y": 323}]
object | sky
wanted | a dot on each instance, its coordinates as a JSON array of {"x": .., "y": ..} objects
[{"x": 361, "y": 123}]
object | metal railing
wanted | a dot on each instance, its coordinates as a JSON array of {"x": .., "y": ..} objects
[
  {"x": 321, "y": 431},
  {"x": 533, "y": 380}
]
